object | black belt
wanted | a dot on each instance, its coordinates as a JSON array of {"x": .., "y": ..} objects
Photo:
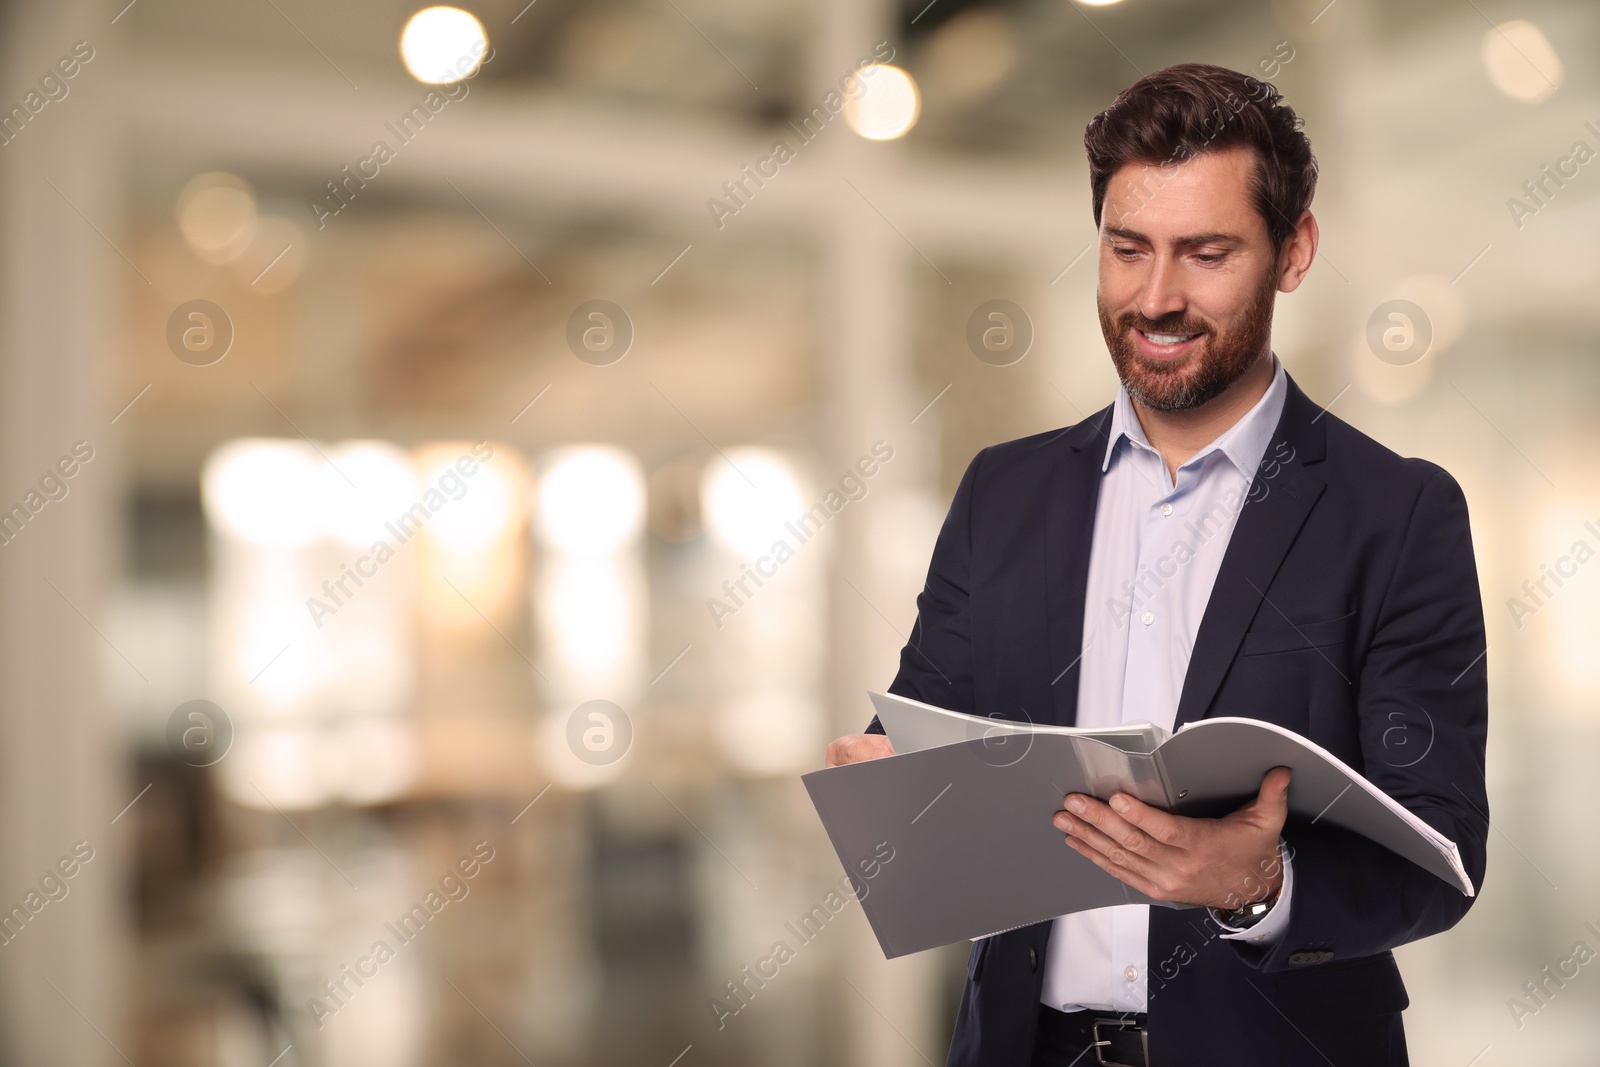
[{"x": 1117, "y": 1040}]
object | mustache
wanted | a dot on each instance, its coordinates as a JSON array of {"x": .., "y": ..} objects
[{"x": 1168, "y": 325}]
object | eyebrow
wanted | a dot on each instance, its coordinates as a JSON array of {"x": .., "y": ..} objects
[{"x": 1217, "y": 237}]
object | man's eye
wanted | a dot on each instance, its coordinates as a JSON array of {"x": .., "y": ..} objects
[
  {"x": 1210, "y": 257},
  {"x": 1124, "y": 252}
]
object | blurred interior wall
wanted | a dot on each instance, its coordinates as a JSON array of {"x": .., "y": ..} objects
[
  {"x": 60, "y": 783},
  {"x": 866, "y": 333}
]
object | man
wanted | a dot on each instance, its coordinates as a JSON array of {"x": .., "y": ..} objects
[{"x": 1212, "y": 542}]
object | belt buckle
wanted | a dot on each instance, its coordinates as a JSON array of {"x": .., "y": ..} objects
[{"x": 1101, "y": 1044}]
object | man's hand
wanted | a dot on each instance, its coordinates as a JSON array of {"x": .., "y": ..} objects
[
  {"x": 853, "y": 748},
  {"x": 1225, "y": 863}
]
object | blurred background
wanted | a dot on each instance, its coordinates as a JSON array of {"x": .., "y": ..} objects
[{"x": 401, "y": 415}]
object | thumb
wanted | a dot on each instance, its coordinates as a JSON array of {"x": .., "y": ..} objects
[
  {"x": 1271, "y": 802},
  {"x": 1274, "y": 794}
]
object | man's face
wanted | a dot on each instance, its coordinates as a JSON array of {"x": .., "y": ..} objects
[{"x": 1187, "y": 278}]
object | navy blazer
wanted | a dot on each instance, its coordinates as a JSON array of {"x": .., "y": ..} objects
[{"x": 1347, "y": 609}]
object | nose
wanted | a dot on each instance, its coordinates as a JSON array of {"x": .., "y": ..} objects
[{"x": 1161, "y": 297}]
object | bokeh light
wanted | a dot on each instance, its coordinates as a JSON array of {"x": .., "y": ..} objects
[
  {"x": 888, "y": 108},
  {"x": 217, "y": 215},
  {"x": 1521, "y": 61},
  {"x": 747, "y": 497},
  {"x": 367, "y": 483},
  {"x": 591, "y": 500},
  {"x": 265, "y": 492},
  {"x": 441, "y": 45}
]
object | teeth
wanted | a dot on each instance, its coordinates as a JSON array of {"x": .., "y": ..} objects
[{"x": 1167, "y": 338}]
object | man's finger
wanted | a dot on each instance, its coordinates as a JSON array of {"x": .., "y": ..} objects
[
  {"x": 1122, "y": 874},
  {"x": 854, "y": 748},
  {"x": 1125, "y": 826},
  {"x": 1108, "y": 833},
  {"x": 1275, "y": 788},
  {"x": 1163, "y": 826}
]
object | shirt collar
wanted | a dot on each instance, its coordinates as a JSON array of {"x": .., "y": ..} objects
[{"x": 1244, "y": 443}]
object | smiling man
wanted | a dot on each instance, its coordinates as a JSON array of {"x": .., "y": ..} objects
[{"x": 1211, "y": 543}]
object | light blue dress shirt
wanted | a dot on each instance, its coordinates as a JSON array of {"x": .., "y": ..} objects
[{"x": 1158, "y": 544}]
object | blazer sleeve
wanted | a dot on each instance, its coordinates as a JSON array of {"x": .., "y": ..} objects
[
  {"x": 1424, "y": 672},
  {"x": 936, "y": 663}
]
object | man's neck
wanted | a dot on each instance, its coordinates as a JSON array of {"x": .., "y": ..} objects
[{"x": 1178, "y": 435}]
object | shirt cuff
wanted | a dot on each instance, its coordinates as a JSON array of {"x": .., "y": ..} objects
[{"x": 1271, "y": 926}]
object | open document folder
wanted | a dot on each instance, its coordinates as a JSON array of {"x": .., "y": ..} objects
[{"x": 966, "y": 804}]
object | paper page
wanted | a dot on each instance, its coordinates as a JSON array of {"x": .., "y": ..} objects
[
  {"x": 913, "y": 725},
  {"x": 1224, "y": 757}
]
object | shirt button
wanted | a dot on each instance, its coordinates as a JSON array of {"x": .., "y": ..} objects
[
  {"x": 1131, "y": 973},
  {"x": 1147, "y": 618},
  {"x": 1166, "y": 509}
]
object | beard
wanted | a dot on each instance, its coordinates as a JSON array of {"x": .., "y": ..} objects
[{"x": 1220, "y": 359}]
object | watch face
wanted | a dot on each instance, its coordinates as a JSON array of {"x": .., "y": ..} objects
[{"x": 1244, "y": 918}]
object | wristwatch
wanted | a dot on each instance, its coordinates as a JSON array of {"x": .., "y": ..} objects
[{"x": 1247, "y": 916}]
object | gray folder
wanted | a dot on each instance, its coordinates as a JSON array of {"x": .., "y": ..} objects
[{"x": 966, "y": 806}]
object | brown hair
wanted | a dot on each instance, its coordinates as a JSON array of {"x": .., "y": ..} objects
[{"x": 1181, "y": 111}]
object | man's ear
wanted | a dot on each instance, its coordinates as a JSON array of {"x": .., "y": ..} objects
[{"x": 1299, "y": 249}]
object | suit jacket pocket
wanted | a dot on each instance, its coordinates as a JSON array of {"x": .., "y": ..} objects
[
  {"x": 1349, "y": 989},
  {"x": 1298, "y": 636}
]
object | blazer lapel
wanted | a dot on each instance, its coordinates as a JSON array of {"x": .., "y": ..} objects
[
  {"x": 1281, "y": 497},
  {"x": 1069, "y": 535}
]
